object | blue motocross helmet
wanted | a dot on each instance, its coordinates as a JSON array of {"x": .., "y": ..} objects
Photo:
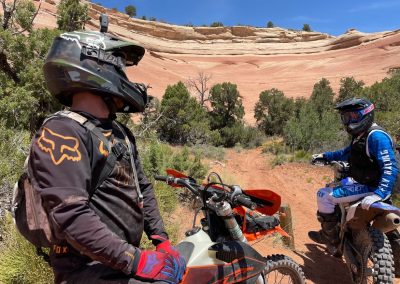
[{"x": 357, "y": 115}]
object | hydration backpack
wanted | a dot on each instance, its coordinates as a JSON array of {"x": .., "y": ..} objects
[{"x": 30, "y": 217}]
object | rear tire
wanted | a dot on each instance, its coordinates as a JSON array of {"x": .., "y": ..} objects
[
  {"x": 378, "y": 265},
  {"x": 282, "y": 269}
]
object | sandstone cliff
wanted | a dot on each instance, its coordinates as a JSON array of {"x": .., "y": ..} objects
[{"x": 254, "y": 58}]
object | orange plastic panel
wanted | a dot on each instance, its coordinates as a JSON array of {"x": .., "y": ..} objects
[{"x": 267, "y": 195}]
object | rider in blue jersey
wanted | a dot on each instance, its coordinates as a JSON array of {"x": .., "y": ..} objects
[{"x": 373, "y": 167}]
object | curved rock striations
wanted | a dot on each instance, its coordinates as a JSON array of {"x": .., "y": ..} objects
[{"x": 255, "y": 59}]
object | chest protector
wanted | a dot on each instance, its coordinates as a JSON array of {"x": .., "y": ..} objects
[{"x": 364, "y": 169}]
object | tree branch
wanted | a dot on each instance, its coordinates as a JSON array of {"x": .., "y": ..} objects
[
  {"x": 149, "y": 125},
  {"x": 7, "y": 13},
  {"x": 33, "y": 18},
  {"x": 5, "y": 66}
]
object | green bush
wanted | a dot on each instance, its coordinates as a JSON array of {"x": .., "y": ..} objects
[
  {"x": 273, "y": 110},
  {"x": 226, "y": 114},
  {"x": 275, "y": 147},
  {"x": 279, "y": 160},
  {"x": 226, "y": 105},
  {"x": 306, "y": 28},
  {"x": 349, "y": 88},
  {"x": 208, "y": 152},
  {"x": 71, "y": 15},
  {"x": 183, "y": 120},
  {"x": 301, "y": 156},
  {"x": 130, "y": 10},
  {"x": 316, "y": 126},
  {"x": 19, "y": 262},
  {"x": 217, "y": 24},
  {"x": 24, "y": 100},
  {"x": 252, "y": 137}
]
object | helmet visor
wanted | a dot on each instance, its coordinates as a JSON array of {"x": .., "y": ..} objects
[{"x": 355, "y": 116}]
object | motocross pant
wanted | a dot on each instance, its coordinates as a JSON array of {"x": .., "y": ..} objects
[{"x": 348, "y": 191}]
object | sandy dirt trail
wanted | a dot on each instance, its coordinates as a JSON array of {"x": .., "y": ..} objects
[{"x": 297, "y": 184}]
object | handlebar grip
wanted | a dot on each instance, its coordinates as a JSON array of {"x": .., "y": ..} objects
[
  {"x": 245, "y": 201},
  {"x": 161, "y": 178}
]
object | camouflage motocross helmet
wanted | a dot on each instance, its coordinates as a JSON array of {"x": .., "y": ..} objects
[{"x": 94, "y": 61}]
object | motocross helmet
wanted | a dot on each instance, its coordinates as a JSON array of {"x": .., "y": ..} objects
[
  {"x": 94, "y": 61},
  {"x": 357, "y": 115}
]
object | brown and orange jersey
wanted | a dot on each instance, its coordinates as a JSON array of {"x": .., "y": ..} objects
[{"x": 65, "y": 159}]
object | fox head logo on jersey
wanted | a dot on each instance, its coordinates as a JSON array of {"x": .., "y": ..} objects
[{"x": 59, "y": 147}]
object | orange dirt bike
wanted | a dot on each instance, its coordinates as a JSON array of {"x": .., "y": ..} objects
[{"x": 218, "y": 251}]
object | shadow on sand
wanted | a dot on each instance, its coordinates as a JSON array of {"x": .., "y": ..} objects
[{"x": 322, "y": 268}]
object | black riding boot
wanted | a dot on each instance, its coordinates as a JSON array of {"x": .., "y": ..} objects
[{"x": 329, "y": 233}]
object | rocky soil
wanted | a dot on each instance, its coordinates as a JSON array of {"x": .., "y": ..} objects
[{"x": 297, "y": 183}]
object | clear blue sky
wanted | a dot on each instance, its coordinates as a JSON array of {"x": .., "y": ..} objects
[{"x": 329, "y": 16}]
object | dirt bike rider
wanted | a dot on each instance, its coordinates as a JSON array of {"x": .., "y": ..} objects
[
  {"x": 373, "y": 168},
  {"x": 97, "y": 236}
]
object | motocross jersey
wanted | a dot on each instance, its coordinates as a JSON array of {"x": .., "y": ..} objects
[
  {"x": 106, "y": 225},
  {"x": 372, "y": 160}
]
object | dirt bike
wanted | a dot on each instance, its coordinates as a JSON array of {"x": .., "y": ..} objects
[
  {"x": 218, "y": 250},
  {"x": 363, "y": 241}
]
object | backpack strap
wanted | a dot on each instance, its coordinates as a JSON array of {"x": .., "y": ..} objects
[
  {"x": 373, "y": 129},
  {"x": 85, "y": 123},
  {"x": 135, "y": 177}
]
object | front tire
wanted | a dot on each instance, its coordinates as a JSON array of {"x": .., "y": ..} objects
[{"x": 282, "y": 269}]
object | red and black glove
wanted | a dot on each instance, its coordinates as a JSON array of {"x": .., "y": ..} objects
[{"x": 158, "y": 266}]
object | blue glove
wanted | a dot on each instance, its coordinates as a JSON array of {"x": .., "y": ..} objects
[{"x": 369, "y": 200}]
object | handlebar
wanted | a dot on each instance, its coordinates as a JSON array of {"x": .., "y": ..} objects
[
  {"x": 245, "y": 201},
  {"x": 161, "y": 178},
  {"x": 180, "y": 181},
  {"x": 236, "y": 196}
]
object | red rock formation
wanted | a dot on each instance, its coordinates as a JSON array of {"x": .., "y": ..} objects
[{"x": 253, "y": 58}]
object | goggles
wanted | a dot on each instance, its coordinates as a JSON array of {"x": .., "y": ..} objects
[
  {"x": 118, "y": 59},
  {"x": 355, "y": 116}
]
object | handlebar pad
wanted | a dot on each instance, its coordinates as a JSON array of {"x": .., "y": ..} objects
[{"x": 242, "y": 200}]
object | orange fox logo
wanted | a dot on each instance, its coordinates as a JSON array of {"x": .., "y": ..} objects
[{"x": 59, "y": 147}]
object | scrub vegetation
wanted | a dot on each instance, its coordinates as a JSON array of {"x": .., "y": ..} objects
[{"x": 197, "y": 128}]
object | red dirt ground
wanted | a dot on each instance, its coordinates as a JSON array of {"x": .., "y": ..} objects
[{"x": 297, "y": 184}]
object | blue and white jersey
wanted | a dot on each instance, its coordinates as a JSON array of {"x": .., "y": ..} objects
[{"x": 380, "y": 148}]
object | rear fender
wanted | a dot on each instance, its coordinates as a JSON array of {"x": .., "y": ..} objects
[{"x": 357, "y": 218}]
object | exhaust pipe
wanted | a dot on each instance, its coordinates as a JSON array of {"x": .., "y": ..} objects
[{"x": 387, "y": 223}]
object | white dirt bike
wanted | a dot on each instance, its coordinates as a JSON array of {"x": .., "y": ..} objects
[
  {"x": 218, "y": 251},
  {"x": 367, "y": 236}
]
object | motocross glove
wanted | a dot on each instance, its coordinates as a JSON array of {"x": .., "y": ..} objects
[
  {"x": 318, "y": 159},
  {"x": 165, "y": 247},
  {"x": 156, "y": 266},
  {"x": 369, "y": 200}
]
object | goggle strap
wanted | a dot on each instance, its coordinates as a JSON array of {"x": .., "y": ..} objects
[{"x": 368, "y": 109}]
